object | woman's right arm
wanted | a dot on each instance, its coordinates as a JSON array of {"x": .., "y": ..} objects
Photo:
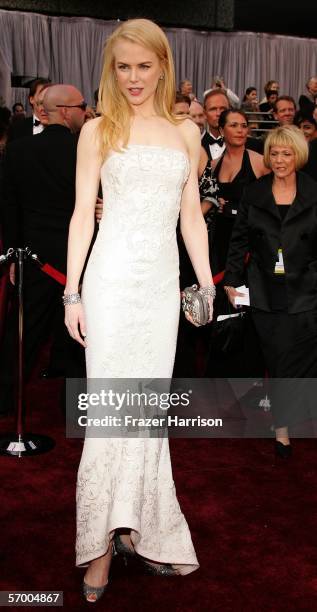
[
  {"x": 203, "y": 161},
  {"x": 82, "y": 222}
]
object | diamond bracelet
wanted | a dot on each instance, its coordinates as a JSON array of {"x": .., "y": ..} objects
[
  {"x": 71, "y": 298},
  {"x": 209, "y": 291}
]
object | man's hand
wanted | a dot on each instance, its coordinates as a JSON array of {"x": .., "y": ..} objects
[
  {"x": 232, "y": 293},
  {"x": 222, "y": 203}
]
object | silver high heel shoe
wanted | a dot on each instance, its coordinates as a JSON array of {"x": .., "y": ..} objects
[
  {"x": 92, "y": 590},
  {"x": 129, "y": 554},
  {"x": 159, "y": 569}
]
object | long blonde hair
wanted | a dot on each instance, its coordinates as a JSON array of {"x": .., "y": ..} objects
[{"x": 115, "y": 109}]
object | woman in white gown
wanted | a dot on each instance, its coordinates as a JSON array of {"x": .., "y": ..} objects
[{"x": 147, "y": 160}]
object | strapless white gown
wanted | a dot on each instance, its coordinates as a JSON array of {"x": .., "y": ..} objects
[{"x": 131, "y": 301}]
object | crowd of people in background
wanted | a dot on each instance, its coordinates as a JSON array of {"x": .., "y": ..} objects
[
  {"x": 233, "y": 135},
  {"x": 272, "y": 110}
]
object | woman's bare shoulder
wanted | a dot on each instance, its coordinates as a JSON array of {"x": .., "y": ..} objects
[
  {"x": 191, "y": 135},
  {"x": 90, "y": 135},
  {"x": 254, "y": 155},
  {"x": 188, "y": 128},
  {"x": 257, "y": 163},
  {"x": 91, "y": 126}
]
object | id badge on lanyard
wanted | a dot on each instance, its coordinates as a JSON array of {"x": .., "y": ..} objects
[{"x": 279, "y": 264}]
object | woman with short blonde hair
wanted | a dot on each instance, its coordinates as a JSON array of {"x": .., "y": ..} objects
[
  {"x": 287, "y": 136},
  {"x": 277, "y": 227}
]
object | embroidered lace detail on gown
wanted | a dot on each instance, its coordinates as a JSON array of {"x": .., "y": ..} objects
[{"x": 131, "y": 301}]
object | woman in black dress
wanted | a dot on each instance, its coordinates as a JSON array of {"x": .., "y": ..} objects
[
  {"x": 237, "y": 167},
  {"x": 234, "y": 170},
  {"x": 277, "y": 226}
]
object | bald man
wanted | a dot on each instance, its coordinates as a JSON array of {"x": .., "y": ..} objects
[
  {"x": 64, "y": 105},
  {"x": 197, "y": 114},
  {"x": 39, "y": 202}
]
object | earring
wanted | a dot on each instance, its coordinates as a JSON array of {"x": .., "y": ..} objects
[{"x": 161, "y": 77}]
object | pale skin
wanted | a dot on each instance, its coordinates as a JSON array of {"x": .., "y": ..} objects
[
  {"x": 138, "y": 71},
  {"x": 283, "y": 165}
]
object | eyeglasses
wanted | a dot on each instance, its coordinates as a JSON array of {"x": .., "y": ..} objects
[{"x": 83, "y": 105}]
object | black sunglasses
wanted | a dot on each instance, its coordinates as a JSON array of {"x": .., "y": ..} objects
[{"x": 83, "y": 105}]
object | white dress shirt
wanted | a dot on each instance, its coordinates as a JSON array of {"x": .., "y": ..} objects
[
  {"x": 37, "y": 129},
  {"x": 215, "y": 149}
]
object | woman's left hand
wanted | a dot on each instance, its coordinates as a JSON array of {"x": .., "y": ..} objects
[
  {"x": 190, "y": 319},
  {"x": 211, "y": 310}
]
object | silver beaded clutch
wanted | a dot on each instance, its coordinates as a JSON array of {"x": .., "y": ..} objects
[{"x": 196, "y": 304}]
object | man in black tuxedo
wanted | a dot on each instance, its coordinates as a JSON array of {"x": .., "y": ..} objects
[
  {"x": 215, "y": 101},
  {"x": 39, "y": 202},
  {"x": 35, "y": 124}
]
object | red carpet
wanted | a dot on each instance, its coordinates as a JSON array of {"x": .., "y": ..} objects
[{"x": 253, "y": 523}]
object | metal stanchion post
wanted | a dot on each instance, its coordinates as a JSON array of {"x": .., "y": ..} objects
[{"x": 20, "y": 443}]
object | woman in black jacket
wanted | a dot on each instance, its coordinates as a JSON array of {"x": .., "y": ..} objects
[{"x": 277, "y": 228}]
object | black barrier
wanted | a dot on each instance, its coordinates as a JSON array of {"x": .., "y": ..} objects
[{"x": 22, "y": 443}]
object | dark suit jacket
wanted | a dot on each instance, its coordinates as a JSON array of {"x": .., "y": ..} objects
[
  {"x": 260, "y": 231},
  {"x": 311, "y": 166},
  {"x": 39, "y": 193},
  {"x": 306, "y": 104},
  {"x": 265, "y": 107},
  {"x": 21, "y": 128}
]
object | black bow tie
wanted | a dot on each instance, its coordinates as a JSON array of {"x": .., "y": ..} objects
[
  {"x": 212, "y": 140},
  {"x": 36, "y": 122}
]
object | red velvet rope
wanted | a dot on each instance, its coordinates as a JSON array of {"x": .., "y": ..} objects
[
  {"x": 61, "y": 278},
  {"x": 218, "y": 277},
  {"x": 53, "y": 273}
]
